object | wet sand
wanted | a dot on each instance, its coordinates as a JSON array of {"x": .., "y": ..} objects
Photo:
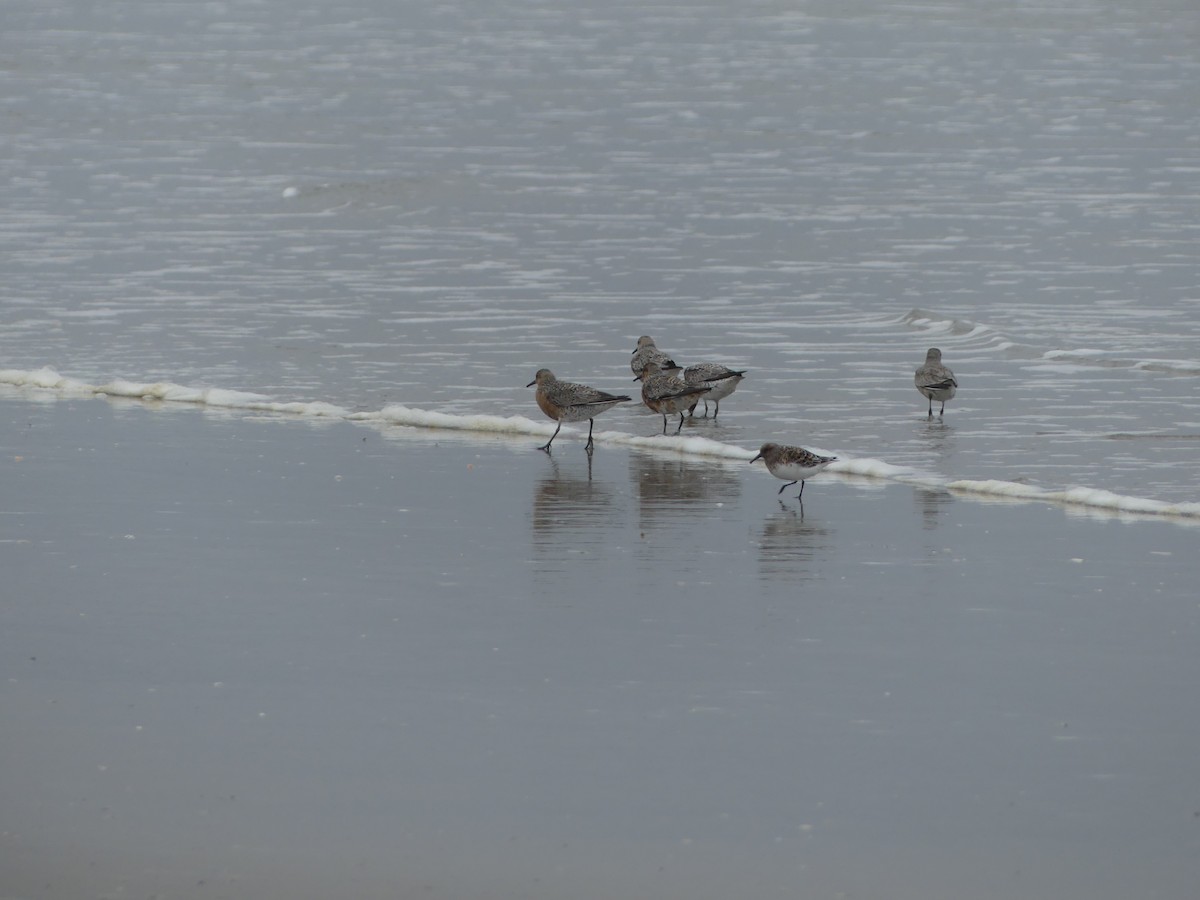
[{"x": 272, "y": 657}]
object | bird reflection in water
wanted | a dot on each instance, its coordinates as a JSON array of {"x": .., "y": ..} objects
[
  {"x": 787, "y": 544},
  {"x": 935, "y": 440},
  {"x": 931, "y": 503},
  {"x": 670, "y": 488},
  {"x": 570, "y": 508}
]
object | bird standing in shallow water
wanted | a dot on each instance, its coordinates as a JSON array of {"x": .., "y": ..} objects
[
  {"x": 566, "y": 401},
  {"x": 667, "y": 395},
  {"x": 795, "y": 463},
  {"x": 935, "y": 381},
  {"x": 647, "y": 353},
  {"x": 720, "y": 379}
]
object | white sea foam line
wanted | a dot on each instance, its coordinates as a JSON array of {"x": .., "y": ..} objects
[
  {"x": 406, "y": 416},
  {"x": 48, "y": 379},
  {"x": 678, "y": 444},
  {"x": 413, "y": 417},
  {"x": 1077, "y": 496}
]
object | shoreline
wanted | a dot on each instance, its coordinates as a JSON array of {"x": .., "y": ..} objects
[{"x": 1098, "y": 501}]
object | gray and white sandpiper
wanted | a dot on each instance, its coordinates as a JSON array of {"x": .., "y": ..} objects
[
  {"x": 935, "y": 381},
  {"x": 794, "y": 463},
  {"x": 646, "y": 353},
  {"x": 667, "y": 395},
  {"x": 566, "y": 401},
  {"x": 721, "y": 380}
]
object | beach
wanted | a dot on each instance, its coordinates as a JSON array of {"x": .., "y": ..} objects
[
  {"x": 293, "y": 605},
  {"x": 276, "y": 656}
]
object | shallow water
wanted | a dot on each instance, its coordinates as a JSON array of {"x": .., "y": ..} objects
[{"x": 365, "y": 205}]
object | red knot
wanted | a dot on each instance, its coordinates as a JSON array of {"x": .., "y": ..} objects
[
  {"x": 646, "y": 353},
  {"x": 667, "y": 395},
  {"x": 935, "y": 381},
  {"x": 794, "y": 463},
  {"x": 720, "y": 380},
  {"x": 566, "y": 401}
]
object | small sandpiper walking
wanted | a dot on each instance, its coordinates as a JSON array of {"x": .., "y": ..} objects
[
  {"x": 721, "y": 380},
  {"x": 667, "y": 395},
  {"x": 646, "y": 353},
  {"x": 935, "y": 381},
  {"x": 795, "y": 463},
  {"x": 566, "y": 401}
]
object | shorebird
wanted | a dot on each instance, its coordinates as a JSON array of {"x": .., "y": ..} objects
[
  {"x": 795, "y": 463},
  {"x": 566, "y": 401},
  {"x": 935, "y": 381},
  {"x": 722, "y": 382},
  {"x": 647, "y": 353},
  {"x": 667, "y": 395}
]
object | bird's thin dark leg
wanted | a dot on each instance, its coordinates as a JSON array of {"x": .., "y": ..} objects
[
  {"x": 680, "y": 426},
  {"x": 942, "y": 411},
  {"x": 546, "y": 447},
  {"x": 931, "y": 407},
  {"x": 588, "y": 445},
  {"x": 664, "y": 423},
  {"x": 716, "y": 409},
  {"x": 786, "y": 486},
  {"x": 801, "y": 494}
]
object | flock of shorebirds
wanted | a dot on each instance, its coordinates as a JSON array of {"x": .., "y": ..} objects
[{"x": 667, "y": 394}]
